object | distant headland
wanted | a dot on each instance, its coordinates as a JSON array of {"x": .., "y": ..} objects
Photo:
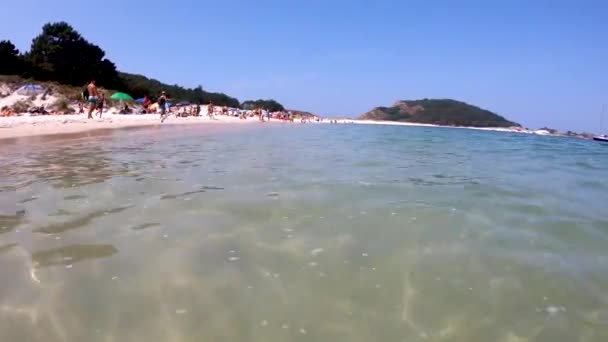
[{"x": 443, "y": 112}]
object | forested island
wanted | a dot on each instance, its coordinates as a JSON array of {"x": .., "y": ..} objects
[{"x": 445, "y": 112}]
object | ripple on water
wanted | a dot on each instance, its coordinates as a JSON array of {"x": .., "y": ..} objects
[
  {"x": 78, "y": 222},
  {"x": 188, "y": 193},
  {"x": 61, "y": 212},
  {"x": 74, "y": 197},
  {"x": 7, "y": 247},
  {"x": 30, "y": 199},
  {"x": 419, "y": 281},
  {"x": 9, "y": 223},
  {"x": 145, "y": 226},
  {"x": 69, "y": 255}
]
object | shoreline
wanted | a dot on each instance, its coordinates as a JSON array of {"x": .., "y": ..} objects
[
  {"x": 24, "y": 126},
  {"x": 29, "y": 126}
]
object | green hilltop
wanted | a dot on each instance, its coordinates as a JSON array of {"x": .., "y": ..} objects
[{"x": 445, "y": 112}]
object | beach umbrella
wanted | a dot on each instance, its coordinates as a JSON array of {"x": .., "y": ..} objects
[
  {"x": 140, "y": 100},
  {"x": 30, "y": 89},
  {"x": 183, "y": 103},
  {"x": 121, "y": 96}
]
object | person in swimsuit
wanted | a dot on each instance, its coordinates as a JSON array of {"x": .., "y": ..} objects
[
  {"x": 162, "y": 103},
  {"x": 146, "y": 103},
  {"x": 93, "y": 98},
  {"x": 210, "y": 110},
  {"x": 100, "y": 104}
]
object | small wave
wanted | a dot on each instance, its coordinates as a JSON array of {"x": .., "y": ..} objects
[
  {"x": 145, "y": 226},
  {"x": 68, "y": 255},
  {"x": 74, "y": 197},
  {"x": 78, "y": 222}
]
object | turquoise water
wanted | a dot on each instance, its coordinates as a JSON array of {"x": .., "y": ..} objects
[{"x": 303, "y": 233}]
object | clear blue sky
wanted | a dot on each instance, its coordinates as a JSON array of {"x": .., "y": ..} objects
[{"x": 536, "y": 62}]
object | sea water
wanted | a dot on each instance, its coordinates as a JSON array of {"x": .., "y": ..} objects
[{"x": 303, "y": 233}]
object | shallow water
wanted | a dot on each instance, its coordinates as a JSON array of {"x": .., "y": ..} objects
[{"x": 303, "y": 233}]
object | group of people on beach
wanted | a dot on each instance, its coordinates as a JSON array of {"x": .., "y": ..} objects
[
  {"x": 94, "y": 100},
  {"x": 6, "y": 111}
]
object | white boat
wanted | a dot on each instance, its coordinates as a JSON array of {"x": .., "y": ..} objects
[
  {"x": 603, "y": 138},
  {"x": 542, "y": 132}
]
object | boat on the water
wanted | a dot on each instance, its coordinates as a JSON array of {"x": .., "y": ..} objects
[{"x": 603, "y": 138}]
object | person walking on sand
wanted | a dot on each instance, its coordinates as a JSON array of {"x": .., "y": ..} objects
[
  {"x": 102, "y": 101},
  {"x": 162, "y": 101},
  {"x": 210, "y": 110},
  {"x": 93, "y": 98},
  {"x": 146, "y": 103}
]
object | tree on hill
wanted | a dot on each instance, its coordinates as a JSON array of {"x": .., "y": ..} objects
[
  {"x": 61, "y": 54},
  {"x": 139, "y": 86},
  {"x": 10, "y": 61},
  {"x": 270, "y": 105}
]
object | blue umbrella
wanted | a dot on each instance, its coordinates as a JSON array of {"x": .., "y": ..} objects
[
  {"x": 140, "y": 100},
  {"x": 30, "y": 89}
]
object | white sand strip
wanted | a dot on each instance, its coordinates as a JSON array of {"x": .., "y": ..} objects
[{"x": 22, "y": 126}]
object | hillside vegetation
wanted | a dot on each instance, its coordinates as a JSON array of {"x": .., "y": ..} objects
[
  {"x": 444, "y": 112},
  {"x": 62, "y": 55}
]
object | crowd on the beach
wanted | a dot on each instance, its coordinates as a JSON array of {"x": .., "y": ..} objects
[
  {"x": 164, "y": 107},
  {"x": 93, "y": 103}
]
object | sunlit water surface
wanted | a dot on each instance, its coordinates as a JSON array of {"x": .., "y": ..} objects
[{"x": 303, "y": 233}]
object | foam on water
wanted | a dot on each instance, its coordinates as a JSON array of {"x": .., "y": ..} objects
[{"x": 316, "y": 251}]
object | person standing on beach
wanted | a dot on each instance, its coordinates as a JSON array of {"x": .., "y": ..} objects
[
  {"x": 146, "y": 103},
  {"x": 102, "y": 101},
  {"x": 162, "y": 101},
  {"x": 210, "y": 110},
  {"x": 93, "y": 97}
]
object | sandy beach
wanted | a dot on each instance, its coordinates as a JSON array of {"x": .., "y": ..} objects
[{"x": 23, "y": 126}]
